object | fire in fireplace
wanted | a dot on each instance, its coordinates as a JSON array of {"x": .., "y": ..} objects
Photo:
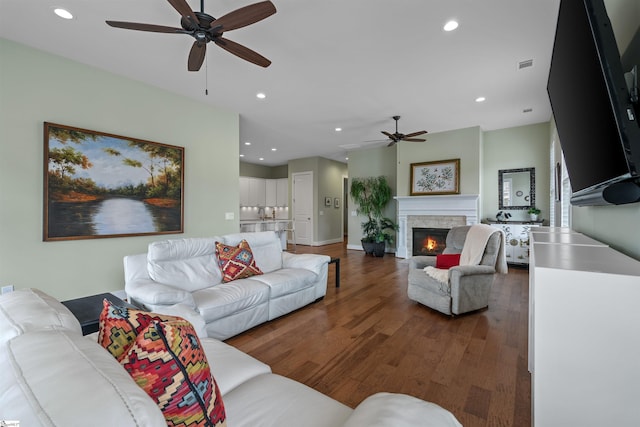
[{"x": 429, "y": 241}]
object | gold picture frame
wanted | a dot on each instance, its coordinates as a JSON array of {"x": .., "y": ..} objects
[{"x": 435, "y": 178}]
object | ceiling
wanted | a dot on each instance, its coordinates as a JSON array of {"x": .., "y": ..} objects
[{"x": 351, "y": 64}]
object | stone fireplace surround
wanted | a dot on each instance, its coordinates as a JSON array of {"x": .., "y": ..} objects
[{"x": 432, "y": 212}]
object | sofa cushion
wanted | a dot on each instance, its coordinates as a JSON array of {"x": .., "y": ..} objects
[
  {"x": 399, "y": 410},
  {"x": 230, "y": 366},
  {"x": 274, "y": 401},
  {"x": 236, "y": 262},
  {"x": 119, "y": 326},
  {"x": 27, "y": 310},
  {"x": 287, "y": 281},
  {"x": 265, "y": 245},
  {"x": 167, "y": 361},
  {"x": 57, "y": 377},
  {"x": 226, "y": 299},
  {"x": 188, "y": 264}
]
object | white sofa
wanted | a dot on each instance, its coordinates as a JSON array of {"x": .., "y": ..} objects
[
  {"x": 185, "y": 271},
  {"x": 54, "y": 376}
]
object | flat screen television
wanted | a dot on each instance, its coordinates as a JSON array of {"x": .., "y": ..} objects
[{"x": 593, "y": 92}]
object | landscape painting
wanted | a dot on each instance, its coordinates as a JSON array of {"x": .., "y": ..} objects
[{"x": 99, "y": 185}]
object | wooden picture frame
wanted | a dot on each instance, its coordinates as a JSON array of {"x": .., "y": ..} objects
[
  {"x": 435, "y": 178},
  {"x": 99, "y": 185}
]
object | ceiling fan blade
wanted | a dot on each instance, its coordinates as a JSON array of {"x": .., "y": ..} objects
[
  {"x": 196, "y": 56},
  {"x": 414, "y": 139},
  {"x": 183, "y": 9},
  {"x": 411, "y": 135},
  {"x": 145, "y": 27},
  {"x": 242, "y": 52},
  {"x": 392, "y": 143},
  {"x": 244, "y": 16},
  {"x": 388, "y": 134}
]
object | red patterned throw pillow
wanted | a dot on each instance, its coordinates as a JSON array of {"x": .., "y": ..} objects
[
  {"x": 446, "y": 261},
  {"x": 168, "y": 362},
  {"x": 119, "y": 326},
  {"x": 236, "y": 262}
]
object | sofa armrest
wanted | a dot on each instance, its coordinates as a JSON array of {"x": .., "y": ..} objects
[
  {"x": 313, "y": 262},
  {"x": 152, "y": 294},
  {"x": 422, "y": 261},
  {"x": 399, "y": 410}
]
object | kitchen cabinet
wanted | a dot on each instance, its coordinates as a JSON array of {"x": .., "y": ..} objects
[
  {"x": 282, "y": 192},
  {"x": 264, "y": 192}
]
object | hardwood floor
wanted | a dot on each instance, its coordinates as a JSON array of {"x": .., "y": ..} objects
[{"x": 367, "y": 336}]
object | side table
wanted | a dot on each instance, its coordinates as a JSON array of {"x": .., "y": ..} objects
[{"x": 87, "y": 310}]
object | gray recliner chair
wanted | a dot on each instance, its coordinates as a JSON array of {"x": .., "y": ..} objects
[{"x": 469, "y": 286}]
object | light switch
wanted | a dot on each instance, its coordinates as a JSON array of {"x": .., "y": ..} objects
[{"x": 229, "y": 216}]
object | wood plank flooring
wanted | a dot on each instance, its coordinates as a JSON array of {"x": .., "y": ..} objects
[{"x": 367, "y": 336}]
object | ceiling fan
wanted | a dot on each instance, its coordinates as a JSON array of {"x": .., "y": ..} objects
[
  {"x": 397, "y": 136},
  {"x": 205, "y": 28}
]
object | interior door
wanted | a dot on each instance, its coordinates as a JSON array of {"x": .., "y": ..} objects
[{"x": 303, "y": 207}]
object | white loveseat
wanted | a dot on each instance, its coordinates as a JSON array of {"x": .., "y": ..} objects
[
  {"x": 185, "y": 272},
  {"x": 54, "y": 376}
]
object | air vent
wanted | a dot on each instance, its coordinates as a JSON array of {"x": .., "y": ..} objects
[
  {"x": 527, "y": 110},
  {"x": 525, "y": 64}
]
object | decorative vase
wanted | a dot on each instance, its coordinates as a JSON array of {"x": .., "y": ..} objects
[{"x": 534, "y": 217}]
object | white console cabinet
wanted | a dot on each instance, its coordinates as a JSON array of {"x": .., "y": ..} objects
[
  {"x": 517, "y": 241},
  {"x": 584, "y": 332}
]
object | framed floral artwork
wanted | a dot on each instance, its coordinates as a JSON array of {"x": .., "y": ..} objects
[{"x": 434, "y": 178}]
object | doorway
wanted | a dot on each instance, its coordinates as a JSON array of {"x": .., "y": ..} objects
[{"x": 302, "y": 216}]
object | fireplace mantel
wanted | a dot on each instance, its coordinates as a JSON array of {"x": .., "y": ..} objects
[{"x": 454, "y": 206}]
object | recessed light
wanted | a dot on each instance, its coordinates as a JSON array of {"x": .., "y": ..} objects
[
  {"x": 63, "y": 13},
  {"x": 481, "y": 99},
  {"x": 451, "y": 25},
  {"x": 260, "y": 95},
  {"x": 338, "y": 129},
  {"x": 241, "y": 155},
  {"x": 346, "y": 158},
  {"x": 274, "y": 149},
  {"x": 247, "y": 143},
  {"x": 261, "y": 158}
]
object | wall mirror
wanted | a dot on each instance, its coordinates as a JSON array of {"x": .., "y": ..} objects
[{"x": 517, "y": 188}]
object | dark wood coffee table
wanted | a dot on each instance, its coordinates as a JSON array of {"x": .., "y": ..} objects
[{"x": 87, "y": 310}]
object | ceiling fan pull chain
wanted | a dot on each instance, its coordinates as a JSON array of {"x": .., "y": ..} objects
[{"x": 206, "y": 75}]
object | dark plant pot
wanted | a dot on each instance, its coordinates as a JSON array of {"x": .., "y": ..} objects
[{"x": 374, "y": 248}]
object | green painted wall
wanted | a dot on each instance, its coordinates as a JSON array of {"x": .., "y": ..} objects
[
  {"x": 365, "y": 163},
  {"x": 260, "y": 171},
  {"x": 515, "y": 148},
  {"x": 37, "y": 87}
]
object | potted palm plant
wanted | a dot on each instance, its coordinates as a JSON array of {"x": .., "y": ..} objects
[{"x": 372, "y": 195}]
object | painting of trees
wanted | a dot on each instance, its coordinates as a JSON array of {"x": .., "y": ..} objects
[{"x": 90, "y": 172}]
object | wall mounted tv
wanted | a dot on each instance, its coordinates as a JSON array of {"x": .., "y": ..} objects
[{"x": 593, "y": 91}]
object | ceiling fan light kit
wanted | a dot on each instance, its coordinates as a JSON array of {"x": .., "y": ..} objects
[{"x": 205, "y": 28}]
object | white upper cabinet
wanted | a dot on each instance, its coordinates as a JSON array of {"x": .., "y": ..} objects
[
  {"x": 270, "y": 192},
  {"x": 282, "y": 192}
]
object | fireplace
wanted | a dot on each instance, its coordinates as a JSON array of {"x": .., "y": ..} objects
[{"x": 429, "y": 241}]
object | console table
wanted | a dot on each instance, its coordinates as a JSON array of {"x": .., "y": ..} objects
[
  {"x": 87, "y": 310},
  {"x": 516, "y": 235}
]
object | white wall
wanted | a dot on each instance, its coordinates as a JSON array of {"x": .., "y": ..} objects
[{"x": 37, "y": 87}]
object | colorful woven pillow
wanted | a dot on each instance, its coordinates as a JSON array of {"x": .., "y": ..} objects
[
  {"x": 168, "y": 362},
  {"x": 236, "y": 262},
  {"x": 119, "y": 326},
  {"x": 446, "y": 261}
]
